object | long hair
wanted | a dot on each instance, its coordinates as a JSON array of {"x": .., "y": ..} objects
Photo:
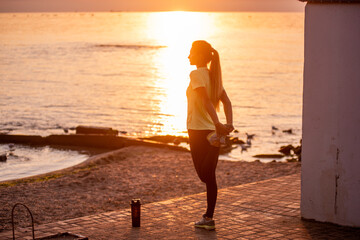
[{"x": 211, "y": 55}]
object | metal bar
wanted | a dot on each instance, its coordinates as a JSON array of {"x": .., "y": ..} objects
[{"x": 12, "y": 220}]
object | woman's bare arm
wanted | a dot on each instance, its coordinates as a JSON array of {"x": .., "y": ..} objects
[
  {"x": 228, "y": 110},
  {"x": 220, "y": 128}
]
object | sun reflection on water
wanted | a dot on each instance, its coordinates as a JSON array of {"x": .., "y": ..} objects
[{"x": 176, "y": 30}]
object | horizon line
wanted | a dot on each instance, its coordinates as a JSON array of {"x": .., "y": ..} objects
[{"x": 117, "y": 11}]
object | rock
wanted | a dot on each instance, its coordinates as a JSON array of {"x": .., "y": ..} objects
[
  {"x": 3, "y": 158},
  {"x": 236, "y": 131},
  {"x": 176, "y": 141},
  {"x": 123, "y": 132},
  {"x": 288, "y": 131},
  {"x": 286, "y": 150},
  {"x": 167, "y": 139},
  {"x": 96, "y": 130},
  {"x": 292, "y": 160},
  {"x": 11, "y": 148},
  {"x": 274, "y": 128},
  {"x": 244, "y": 147},
  {"x": 297, "y": 150},
  {"x": 236, "y": 140},
  {"x": 250, "y": 136},
  {"x": 268, "y": 156},
  {"x": 226, "y": 149},
  {"x": 66, "y": 130}
]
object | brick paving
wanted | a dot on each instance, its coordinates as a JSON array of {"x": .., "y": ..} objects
[{"x": 267, "y": 209}]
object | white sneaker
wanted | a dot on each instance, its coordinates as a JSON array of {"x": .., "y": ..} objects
[{"x": 207, "y": 224}]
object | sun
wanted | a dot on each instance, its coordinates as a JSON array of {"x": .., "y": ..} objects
[{"x": 175, "y": 30}]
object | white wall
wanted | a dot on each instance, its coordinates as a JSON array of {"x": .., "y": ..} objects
[{"x": 330, "y": 178}]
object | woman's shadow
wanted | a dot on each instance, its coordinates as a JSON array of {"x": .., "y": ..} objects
[{"x": 203, "y": 234}]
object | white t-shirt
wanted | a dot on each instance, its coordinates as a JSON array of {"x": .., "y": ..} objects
[{"x": 198, "y": 118}]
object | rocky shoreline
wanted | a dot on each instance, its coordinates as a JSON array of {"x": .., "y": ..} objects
[{"x": 107, "y": 138}]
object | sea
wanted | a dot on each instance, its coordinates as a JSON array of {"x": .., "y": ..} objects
[{"x": 130, "y": 71}]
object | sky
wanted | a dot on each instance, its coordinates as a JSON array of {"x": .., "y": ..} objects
[{"x": 149, "y": 5}]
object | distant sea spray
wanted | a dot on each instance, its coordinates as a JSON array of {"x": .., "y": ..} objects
[{"x": 129, "y": 46}]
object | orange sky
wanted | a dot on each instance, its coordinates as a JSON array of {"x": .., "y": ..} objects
[{"x": 149, "y": 5}]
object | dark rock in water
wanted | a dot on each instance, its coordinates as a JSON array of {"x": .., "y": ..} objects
[
  {"x": 249, "y": 136},
  {"x": 288, "y": 131},
  {"x": 226, "y": 149},
  {"x": 236, "y": 131},
  {"x": 84, "y": 140},
  {"x": 123, "y": 132},
  {"x": 66, "y": 130},
  {"x": 292, "y": 160},
  {"x": 297, "y": 150},
  {"x": 96, "y": 130},
  {"x": 167, "y": 139},
  {"x": 268, "y": 156},
  {"x": 176, "y": 141},
  {"x": 23, "y": 139},
  {"x": 274, "y": 128},
  {"x": 72, "y": 128},
  {"x": 286, "y": 150},
  {"x": 244, "y": 147},
  {"x": 3, "y": 158},
  {"x": 236, "y": 140}
]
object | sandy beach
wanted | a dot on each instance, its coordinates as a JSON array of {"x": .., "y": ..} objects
[{"x": 108, "y": 182}]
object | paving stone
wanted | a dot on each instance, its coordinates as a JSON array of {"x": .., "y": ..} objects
[{"x": 267, "y": 209}]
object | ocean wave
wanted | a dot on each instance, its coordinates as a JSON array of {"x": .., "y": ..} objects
[
  {"x": 129, "y": 46},
  {"x": 57, "y": 106},
  {"x": 244, "y": 106},
  {"x": 140, "y": 111}
]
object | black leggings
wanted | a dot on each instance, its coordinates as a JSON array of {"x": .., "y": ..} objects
[{"x": 205, "y": 158}]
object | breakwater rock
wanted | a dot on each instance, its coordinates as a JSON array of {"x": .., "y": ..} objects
[{"x": 85, "y": 140}]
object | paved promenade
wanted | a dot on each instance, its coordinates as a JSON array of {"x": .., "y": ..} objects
[{"x": 268, "y": 209}]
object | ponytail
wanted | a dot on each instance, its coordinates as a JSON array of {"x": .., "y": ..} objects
[
  {"x": 209, "y": 54},
  {"x": 215, "y": 79}
]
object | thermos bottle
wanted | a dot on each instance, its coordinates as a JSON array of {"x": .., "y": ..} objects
[{"x": 135, "y": 212}]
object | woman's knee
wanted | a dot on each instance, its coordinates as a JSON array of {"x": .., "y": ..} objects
[
  {"x": 209, "y": 179},
  {"x": 203, "y": 177}
]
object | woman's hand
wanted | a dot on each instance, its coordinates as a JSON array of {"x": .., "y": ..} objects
[
  {"x": 229, "y": 127},
  {"x": 221, "y": 129}
]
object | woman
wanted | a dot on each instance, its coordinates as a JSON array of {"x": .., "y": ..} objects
[{"x": 204, "y": 94}]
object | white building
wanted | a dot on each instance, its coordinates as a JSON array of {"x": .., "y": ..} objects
[{"x": 330, "y": 177}]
